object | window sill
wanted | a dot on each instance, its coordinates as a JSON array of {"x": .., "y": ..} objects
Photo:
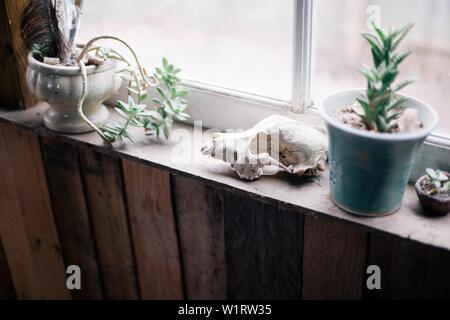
[{"x": 306, "y": 196}]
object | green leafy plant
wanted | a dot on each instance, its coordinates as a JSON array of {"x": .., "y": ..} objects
[
  {"x": 40, "y": 51},
  {"x": 132, "y": 114},
  {"x": 171, "y": 103},
  {"x": 439, "y": 180},
  {"x": 380, "y": 103},
  {"x": 169, "y": 106}
]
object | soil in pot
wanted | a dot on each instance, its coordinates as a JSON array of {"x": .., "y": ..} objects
[{"x": 408, "y": 120}]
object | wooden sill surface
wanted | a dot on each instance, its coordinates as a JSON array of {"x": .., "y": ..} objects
[{"x": 307, "y": 196}]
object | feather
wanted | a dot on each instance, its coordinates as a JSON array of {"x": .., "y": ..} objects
[
  {"x": 39, "y": 26},
  {"x": 68, "y": 14},
  {"x": 52, "y": 25}
]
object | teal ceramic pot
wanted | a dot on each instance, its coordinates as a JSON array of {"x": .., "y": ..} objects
[{"x": 370, "y": 171}]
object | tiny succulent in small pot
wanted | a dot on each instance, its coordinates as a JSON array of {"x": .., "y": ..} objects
[
  {"x": 433, "y": 190},
  {"x": 375, "y": 133}
]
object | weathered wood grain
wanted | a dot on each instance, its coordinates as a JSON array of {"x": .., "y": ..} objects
[
  {"x": 7, "y": 291},
  {"x": 199, "y": 209},
  {"x": 333, "y": 260},
  {"x": 71, "y": 214},
  {"x": 263, "y": 246},
  {"x": 408, "y": 270},
  {"x": 105, "y": 198},
  {"x": 153, "y": 230},
  {"x": 14, "y": 91},
  {"x": 25, "y": 161},
  {"x": 14, "y": 234}
]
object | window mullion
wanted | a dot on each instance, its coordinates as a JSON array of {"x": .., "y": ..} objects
[{"x": 303, "y": 54}]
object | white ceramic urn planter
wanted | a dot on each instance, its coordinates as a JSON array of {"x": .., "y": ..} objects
[{"x": 61, "y": 87}]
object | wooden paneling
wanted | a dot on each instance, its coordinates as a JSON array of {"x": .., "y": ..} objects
[
  {"x": 263, "y": 247},
  {"x": 34, "y": 211},
  {"x": 153, "y": 230},
  {"x": 67, "y": 193},
  {"x": 200, "y": 223},
  {"x": 14, "y": 92},
  {"x": 138, "y": 232},
  {"x": 13, "y": 233},
  {"x": 333, "y": 260},
  {"x": 409, "y": 270},
  {"x": 7, "y": 291},
  {"x": 32, "y": 192},
  {"x": 105, "y": 198}
]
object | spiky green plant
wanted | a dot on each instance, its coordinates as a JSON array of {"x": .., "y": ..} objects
[{"x": 380, "y": 103}]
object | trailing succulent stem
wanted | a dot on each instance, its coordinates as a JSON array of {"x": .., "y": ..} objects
[
  {"x": 169, "y": 106},
  {"x": 380, "y": 103}
]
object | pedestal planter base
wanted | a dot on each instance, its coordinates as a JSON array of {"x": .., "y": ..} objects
[{"x": 71, "y": 122}]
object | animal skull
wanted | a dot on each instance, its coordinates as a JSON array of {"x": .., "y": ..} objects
[{"x": 277, "y": 142}]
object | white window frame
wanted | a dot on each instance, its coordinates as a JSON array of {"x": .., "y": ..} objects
[{"x": 223, "y": 108}]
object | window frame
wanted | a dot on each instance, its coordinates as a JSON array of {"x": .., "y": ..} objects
[{"x": 223, "y": 108}]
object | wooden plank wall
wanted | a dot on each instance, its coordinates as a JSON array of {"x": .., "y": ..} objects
[
  {"x": 138, "y": 232},
  {"x": 334, "y": 256},
  {"x": 28, "y": 232},
  {"x": 102, "y": 178},
  {"x": 153, "y": 229}
]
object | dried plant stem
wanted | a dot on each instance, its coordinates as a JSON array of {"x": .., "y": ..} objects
[
  {"x": 80, "y": 58},
  {"x": 81, "y": 101},
  {"x": 141, "y": 69}
]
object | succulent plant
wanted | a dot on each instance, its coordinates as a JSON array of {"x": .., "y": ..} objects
[
  {"x": 40, "y": 51},
  {"x": 380, "y": 103},
  {"x": 169, "y": 106},
  {"x": 439, "y": 180}
]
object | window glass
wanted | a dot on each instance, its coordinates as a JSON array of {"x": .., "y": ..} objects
[
  {"x": 340, "y": 49},
  {"x": 244, "y": 45}
]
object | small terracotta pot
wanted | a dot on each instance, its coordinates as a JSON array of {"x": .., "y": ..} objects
[{"x": 432, "y": 205}]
